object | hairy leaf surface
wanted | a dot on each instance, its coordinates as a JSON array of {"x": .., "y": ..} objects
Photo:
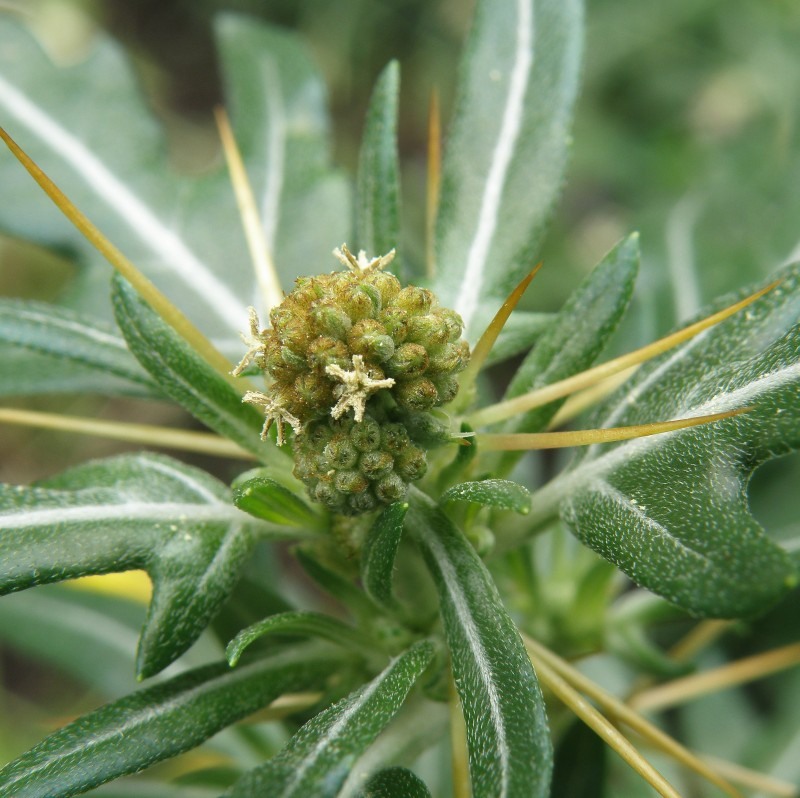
[
  {"x": 378, "y": 186},
  {"x": 506, "y": 150},
  {"x": 500, "y": 493},
  {"x": 671, "y": 510},
  {"x": 44, "y": 349},
  {"x": 183, "y": 375},
  {"x": 89, "y": 129},
  {"x": 510, "y": 752},
  {"x": 132, "y": 511},
  {"x": 395, "y": 783},
  {"x": 317, "y": 760},
  {"x": 157, "y": 723},
  {"x": 379, "y": 552}
]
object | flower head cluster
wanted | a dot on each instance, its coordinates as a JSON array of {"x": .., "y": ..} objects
[{"x": 355, "y": 340}]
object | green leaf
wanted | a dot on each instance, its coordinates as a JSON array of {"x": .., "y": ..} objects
[
  {"x": 44, "y": 348},
  {"x": 510, "y": 751},
  {"x": 302, "y": 622},
  {"x": 109, "y": 155},
  {"x": 579, "y": 332},
  {"x": 506, "y": 150},
  {"x": 671, "y": 510},
  {"x": 89, "y": 636},
  {"x": 500, "y": 493},
  {"x": 335, "y": 584},
  {"x": 379, "y": 552},
  {"x": 182, "y": 374},
  {"x": 279, "y": 112},
  {"x": 267, "y": 499},
  {"x": 156, "y": 723},
  {"x": 378, "y": 182},
  {"x": 395, "y": 783},
  {"x": 318, "y": 758},
  {"x": 132, "y": 511}
]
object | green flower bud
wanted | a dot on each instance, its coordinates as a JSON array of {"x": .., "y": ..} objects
[
  {"x": 374, "y": 465},
  {"x": 408, "y": 359},
  {"x": 369, "y": 338},
  {"x": 394, "y": 438},
  {"x": 450, "y": 358},
  {"x": 331, "y": 320},
  {"x": 340, "y": 453},
  {"x": 412, "y": 464},
  {"x": 418, "y": 393},
  {"x": 446, "y": 388},
  {"x": 391, "y": 489},
  {"x": 366, "y": 436},
  {"x": 396, "y": 322},
  {"x": 414, "y": 300},
  {"x": 360, "y": 503},
  {"x": 350, "y": 482},
  {"x": 427, "y": 330}
]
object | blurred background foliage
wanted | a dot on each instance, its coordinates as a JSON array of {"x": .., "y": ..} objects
[{"x": 687, "y": 129}]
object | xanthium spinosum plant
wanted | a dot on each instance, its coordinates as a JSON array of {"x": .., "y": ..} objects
[{"x": 362, "y": 397}]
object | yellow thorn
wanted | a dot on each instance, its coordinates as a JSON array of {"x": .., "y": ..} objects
[
  {"x": 589, "y": 397},
  {"x": 145, "y": 434},
  {"x": 525, "y": 441},
  {"x": 558, "y": 390},
  {"x": 486, "y": 342},
  {"x": 602, "y": 727},
  {"x": 622, "y": 712},
  {"x": 701, "y": 635},
  {"x": 744, "y": 670},
  {"x": 752, "y": 779},
  {"x": 267, "y": 277},
  {"x": 434, "y": 180},
  {"x": 160, "y": 304}
]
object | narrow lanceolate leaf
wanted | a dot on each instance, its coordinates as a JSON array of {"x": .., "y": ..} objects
[
  {"x": 133, "y": 511},
  {"x": 506, "y": 150},
  {"x": 277, "y": 104},
  {"x": 307, "y": 624},
  {"x": 395, "y": 783},
  {"x": 378, "y": 184},
  {"x": 159, "y": 722},
  {"x": 500, "y": 493},
  {"x": 379, "y": 552},
  {"x": 578, "y": 333},
  {"x": 44, "y": 348},
  {"x": 108, "y": 155},
  {"x": 672, "y": 510},
  {"x": 510, "y": 752},
  {"x": 265, "y": 498},
  {"x": 317, "y": 760},
  {"x": 182, "y": 374}
]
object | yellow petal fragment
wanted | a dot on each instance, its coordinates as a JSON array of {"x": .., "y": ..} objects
[
  {"x": 145, "y": 434},
  {"x": 558, "y": 390},
  {"x": 264, "y": 266},
  {"x": 168, "y": 312},
  {"x": 523, "y": 441}
]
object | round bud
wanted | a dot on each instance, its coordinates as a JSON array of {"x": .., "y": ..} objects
[
  {"x": 418, "y": 393},
  {"x": 408, "y": 359}
]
